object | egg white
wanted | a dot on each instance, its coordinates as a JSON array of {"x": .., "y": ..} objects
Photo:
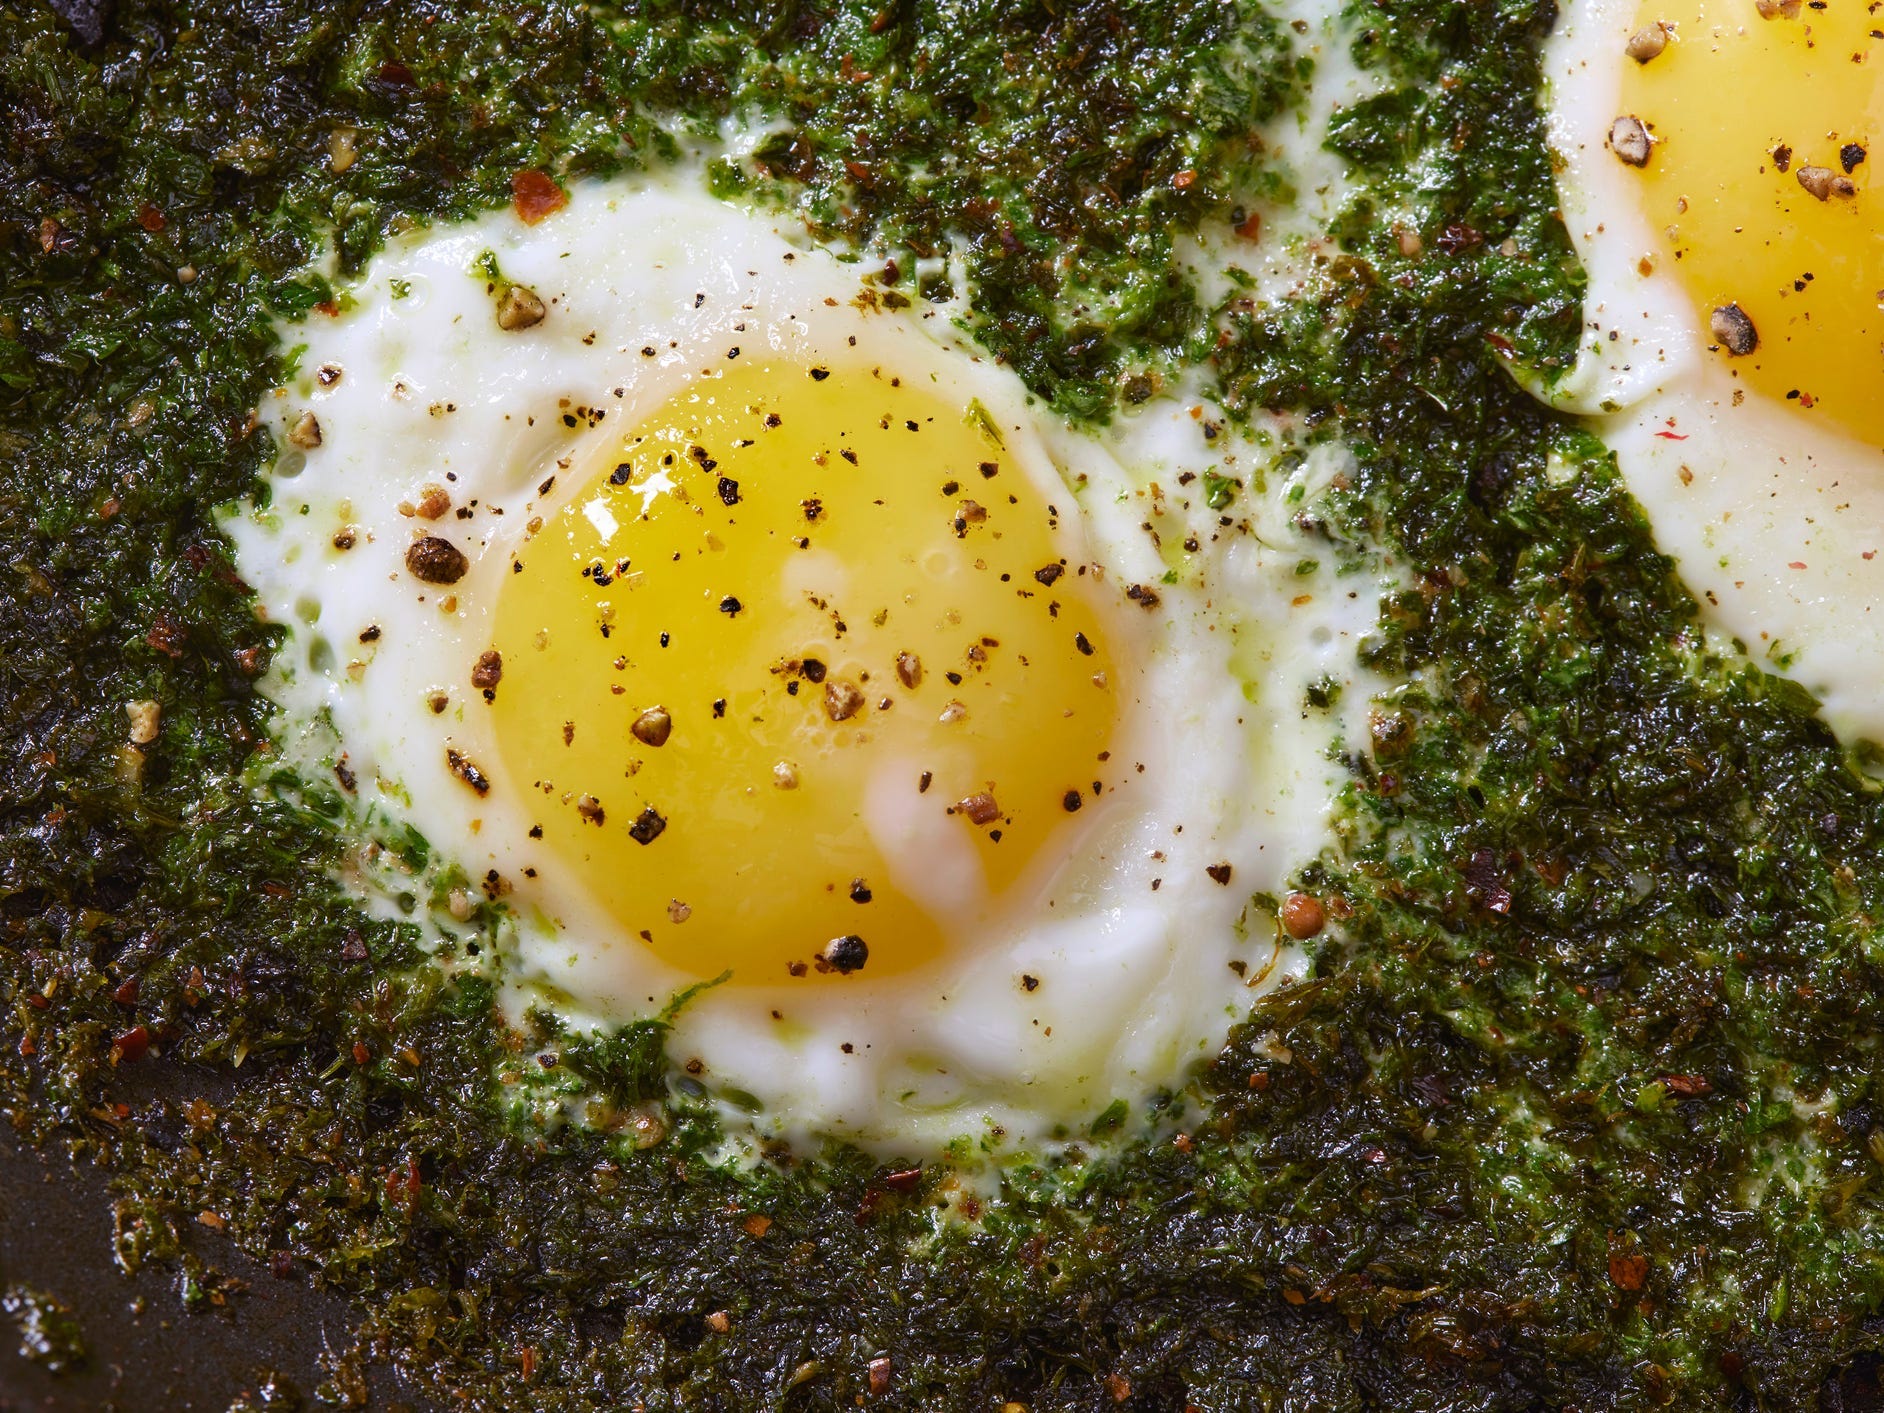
[
  {"x": 1777, "y": 522},
  {"x": 1134, "y": 954}
]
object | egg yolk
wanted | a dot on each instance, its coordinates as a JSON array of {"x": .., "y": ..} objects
[
  {"x": 1759, "y": 179},
  {"x": 804, "y": 677}
]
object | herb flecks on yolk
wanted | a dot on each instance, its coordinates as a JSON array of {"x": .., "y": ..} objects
[
  {"x": 807, "y": 661},
  {"x": 1759, "y": 183}
]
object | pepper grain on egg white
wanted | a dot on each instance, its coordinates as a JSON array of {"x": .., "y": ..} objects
[{"x": 462, "y": 401}]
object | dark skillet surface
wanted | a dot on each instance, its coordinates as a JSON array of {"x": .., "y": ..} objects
[{"x": 55, "y": 1237}]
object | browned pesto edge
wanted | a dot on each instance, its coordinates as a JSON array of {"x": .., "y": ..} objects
[{"x": 1609, "y": 899}]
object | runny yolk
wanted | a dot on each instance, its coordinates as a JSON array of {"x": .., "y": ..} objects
[
  {"x": 804, "y": 663},
  {"x": 1761, "y": 182}
]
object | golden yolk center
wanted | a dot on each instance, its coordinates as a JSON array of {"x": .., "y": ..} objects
[
  {"x": 802, "y": 666},
  {"x": 1760, "y": 182}
]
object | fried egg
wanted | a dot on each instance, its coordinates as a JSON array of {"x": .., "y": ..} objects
[
  {"x": 751, "y": 648},
  {"x": 1716, "y": 180}
]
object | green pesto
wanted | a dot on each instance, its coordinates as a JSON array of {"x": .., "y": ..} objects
[
  {"x": 1580, "y": 1111},
  {"x": 49, "y": 1334}
]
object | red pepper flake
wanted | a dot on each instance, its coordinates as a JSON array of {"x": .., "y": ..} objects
[
  {"x": 329, "y": 308},
  {"x": 1220, "y": 873},
  {"x": 1628, "y": 1269},
  {"x": 403, "y": 1184},
  {"x": 394, "y": 72},
  {"x": 1796, "y": 564},
  {"x": 168, "y": 636},
  {"x": 536, "y": 196},
  {"x": 1184, "y": 180},
  {"x": 880, "y": 1370},
  {"x": 1459, "y": 237},
  {"x": 131, "y": 1045},
  {"x": 980, "y": 808},
  {"x": 1251, "y": 226},
  {"x": 150, "y": 218},
  {"x": 526, "y": 1360},
  {"x": 1687, "y": 1086},
  {"x": 126, "y": 993},
  {"x": 757, "y": 1226},
  {"x": 1302, "y": 916},
  {"x": 360, "y": 1053},
  {"x": 1119, "y": 1387},
  {"x": 1673, "y": 436},
  {"x": 903, "y": 1180}
]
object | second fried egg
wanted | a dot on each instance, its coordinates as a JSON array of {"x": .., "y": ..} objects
[{"x": 1717, "y": 182}]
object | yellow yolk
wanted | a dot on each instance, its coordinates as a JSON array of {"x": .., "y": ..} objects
[
  {"x": 1739, "y": 106},
  {"x": 803, "y": 660}
]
